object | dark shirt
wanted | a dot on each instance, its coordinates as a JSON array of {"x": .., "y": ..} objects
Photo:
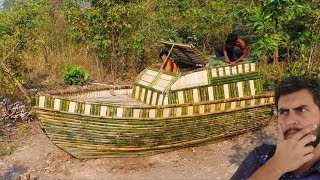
[{"x": 260, "y": 155}]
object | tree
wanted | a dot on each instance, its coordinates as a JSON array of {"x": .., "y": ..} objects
[{"x": 281, "y": 25}]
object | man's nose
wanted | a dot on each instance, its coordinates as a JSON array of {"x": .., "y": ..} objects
[{"x": 292, "y": 118}]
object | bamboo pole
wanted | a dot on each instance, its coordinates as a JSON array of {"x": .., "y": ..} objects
[{"x": 167, "y": 57}]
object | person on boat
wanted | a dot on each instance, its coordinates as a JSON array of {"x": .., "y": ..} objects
[
  {"x": 234, "y": 49},
  {"x": 297, "y": 153},
  {"x": 170, "y": 64}
]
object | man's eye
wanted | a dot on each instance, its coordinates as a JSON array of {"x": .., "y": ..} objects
[
  {"x": 283, "y": 112},
  {"x": 302, "y": 110}
]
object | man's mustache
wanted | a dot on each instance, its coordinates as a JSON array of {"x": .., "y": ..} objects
[
  {"x": 314, "y": 143},
  {"x": 289, "y": 130}
]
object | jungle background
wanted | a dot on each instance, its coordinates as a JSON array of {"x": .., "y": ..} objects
[
  {"x": 112, "y": 41},
  {"x": 53, "y": 44}
]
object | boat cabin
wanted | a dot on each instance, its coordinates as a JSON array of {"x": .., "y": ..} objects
[{"x": 197, "y": 81}]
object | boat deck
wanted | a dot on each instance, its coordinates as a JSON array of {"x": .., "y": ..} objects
[{"x": 122, "y": 99}]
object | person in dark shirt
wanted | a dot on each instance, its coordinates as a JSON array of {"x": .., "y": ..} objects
[
  {"x": 297, "y": 153},
  {"x": 233, "y": 49}
]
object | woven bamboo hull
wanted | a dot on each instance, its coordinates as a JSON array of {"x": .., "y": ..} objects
[
  {"x": 88, "y": 136},
  {"x": 161, "y": 112}
]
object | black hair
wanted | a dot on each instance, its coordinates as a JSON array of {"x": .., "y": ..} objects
[
  {"x": 162, "y": 53},
  {"x": 231, "y": 38},
  {"x": 295, "y": 83}
]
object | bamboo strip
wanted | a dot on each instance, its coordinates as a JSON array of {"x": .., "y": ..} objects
[
  {"x": 148, "y": 100},
  {"x": 103, "y": 110},
  {"x": 240, "y": 68},
  {"x": 130, "y": 135},
  {"x": 150, "y": 148},
  {"x": 154, "y": 98},
  {"x": 42, "y": 101},
  {"x": 56, "y": 104},
  {"x": 195, "y": 93},
  {"x": 132, "y": 123},
  {"x": 137, "y": 94},
  {"x": 80, "y": 106}
]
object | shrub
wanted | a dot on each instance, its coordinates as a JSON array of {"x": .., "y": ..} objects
[
  {"x": 6, "y": 151},
  {"x": 75, "y": 75}
]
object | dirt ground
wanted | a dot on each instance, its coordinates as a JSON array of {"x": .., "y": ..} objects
[{"x": 36, "y": 157}]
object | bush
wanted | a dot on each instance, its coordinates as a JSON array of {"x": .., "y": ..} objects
[{"x": 75, "y": 75}]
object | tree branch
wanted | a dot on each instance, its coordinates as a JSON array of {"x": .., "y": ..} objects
[{"x": 7, "y": 71}]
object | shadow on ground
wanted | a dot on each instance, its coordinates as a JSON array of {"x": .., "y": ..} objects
[
  {"x": 14, "y": 172},
  {"x": 243, "y": 146}
]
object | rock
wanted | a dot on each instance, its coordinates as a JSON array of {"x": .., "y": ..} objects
[
  {"x": 12, "y": 113},
  {"x": 4, "y": 101}
]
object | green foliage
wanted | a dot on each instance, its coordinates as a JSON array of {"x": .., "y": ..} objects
[
  {"x": 270, "y": 21},
  {"x": 125, "y": 35},
  {"x": 208, "y": 21},
  {"x": 270, "y": 76},
  {"x": 23, "y": 24},
  {"x": 112, "y": 29},
  {"x": 268, "y": 84},
  {"x": 5, "y": 151},
  {"x": 298, "y": 67},
  {"x": 284, "y": 29},
  {"x": 75, "y": 75}
]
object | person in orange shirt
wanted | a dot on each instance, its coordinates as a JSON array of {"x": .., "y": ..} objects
[
  {"x": 170, "y": 65},
  {"x": 234, "y": 49}
]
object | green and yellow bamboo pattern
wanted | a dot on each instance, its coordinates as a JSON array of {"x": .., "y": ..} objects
[
  {"x": 171, "y": 114},
  {"x": 194, "y": 86},
  {"x": 94, "y": 136}
]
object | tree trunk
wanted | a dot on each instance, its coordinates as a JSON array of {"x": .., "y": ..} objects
[
  {"x": 112, "y": 53},
  {"x": 313, "y": 47},
  {"x": 276, "y": 55},
  {"x": 276, "y": 61}
]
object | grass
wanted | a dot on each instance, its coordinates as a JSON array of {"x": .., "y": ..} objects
[
  {"x": 47, "y": 68},
  {"x": 6, "y": 150},
  {"x": 24, "y": 129}
]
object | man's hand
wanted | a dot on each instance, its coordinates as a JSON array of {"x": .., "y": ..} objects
[
  {"x": 233, "y": 63},
  {"x": 292, "y": 153}
]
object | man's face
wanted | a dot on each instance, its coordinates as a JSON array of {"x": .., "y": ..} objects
[
  {"x": 296, "y": 111},
  {"x": 163, "y": 57}
]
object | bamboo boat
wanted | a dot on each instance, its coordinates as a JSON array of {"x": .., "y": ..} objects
[{"x": 161, "y": 111}]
